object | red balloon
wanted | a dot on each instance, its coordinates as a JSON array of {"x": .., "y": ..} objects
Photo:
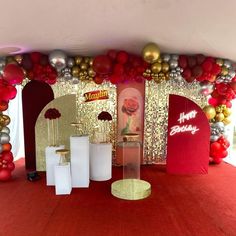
[
  {"x": 112, "y": 54},
  {"x": 27, "y": 62},
  {"x": 122, "y": 57},
  {"x": 6, "y": 147},
  {"x": 12, "y": 92},
  {"x": 197, "y": 71},
  {"x": 114, "y": 79},
  {"x": 102, "y": 64},
  {"x": 215, "y": 147},
  {"x": 98, "y": 80},
  {"x": 207, "y": 66},
  {"x": 35, "y": 57},
  {"x": 13, "y": 74},
  {"x": 217, "y": 160},
  {"x": 200, "y": 59},
  {"x": 11, "y": 166},
  {"x": 213, "y": 102},
  {"x": 228, "y": 104},
  {"x": 5, "y": 174},
  {"x": 182, "y": 61},
  {"x": 7, "y": 156},
  {"x": 233, "y": 85},
  {"x": 191, "y": 61},
  {"x": 216, "y": 69},
  {"x": 187, "y": 73},
  {"x": 3, "y": 105},
  {"x": 118, "y": 69}
]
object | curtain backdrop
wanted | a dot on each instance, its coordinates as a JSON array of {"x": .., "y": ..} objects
[{"x": 16, "y": 125}]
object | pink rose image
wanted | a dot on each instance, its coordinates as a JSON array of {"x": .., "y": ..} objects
[{"x": 130, "y": 106}]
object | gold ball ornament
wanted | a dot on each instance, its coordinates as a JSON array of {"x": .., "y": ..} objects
[
  {"x": 165, "y": 67},
  {"x": 224, "y": 70},
  {"x": 209, "y": 112},
  {"x": 156, "y": 67},
  {"x": 151, "y": 53},
  {"x": 219, "y": 61},
  {"x": 18, "y": 58},
  {"x": 219, "y": 117},
  {"x": 226, "y": 121},
  {"x": 78, "y": 60},
  {"x": 75, "y": 71},
  {"x": 227, "y": 111},
  {"x": 83, "y": 66}
]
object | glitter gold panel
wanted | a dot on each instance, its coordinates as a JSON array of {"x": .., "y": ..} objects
[{"x": 156, "y": 114}]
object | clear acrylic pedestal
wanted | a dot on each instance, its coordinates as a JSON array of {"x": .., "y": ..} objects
[{"x": 131, "y": 187}]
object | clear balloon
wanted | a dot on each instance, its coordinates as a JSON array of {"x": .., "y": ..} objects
[
  {"x": 58, "y": 59},
  {"x": 70, "y": 62}
]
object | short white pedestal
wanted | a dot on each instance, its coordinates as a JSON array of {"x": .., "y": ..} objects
[
  {"x": 100, "y": 161},
  {"x": 52, "y": 159},
  {"x": 62, "y": 179},
  {"x": 79, "y": 149}
]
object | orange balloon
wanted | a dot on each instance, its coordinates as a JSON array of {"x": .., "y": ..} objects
[
  {"x": 3, "y": 105},
  {"x": 6, "y": 147}
]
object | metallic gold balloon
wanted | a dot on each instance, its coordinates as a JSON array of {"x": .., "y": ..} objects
[
  {"x": 219, "y": 117},
  {"x": 10, "y": 60},
  {"x": 224, "y": 70},
  {"x": 219, "y": 61},
  {"x": 148, "y": 71},
  {"x": 75, "y": 71},
  {"x": 209, "y": 112},
  {"x": 86, "y": 60},
  {"x": 227, "y": 111},
  {"x": 78, "y": 60},
  {"x": 83, "y": 66},
  {"x": 165, "y": 67},
  {"x": 151, "y": 53},
  {"x": 226, "y": 121},
  {"x": 91, "y": 72},
  {"x": 18, "y": 58},
  {"x": 156, "y": 67},
  {"x": 91, "y": 61}
]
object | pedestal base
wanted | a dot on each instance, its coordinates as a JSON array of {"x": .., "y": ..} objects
[{"x": 131, "y": 189}]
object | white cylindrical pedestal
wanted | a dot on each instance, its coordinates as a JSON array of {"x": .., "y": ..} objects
[
  {"x": 100, "y": 161},
  {"x": 62, "y": 179},
  {"x": 79, "y": 149},
  {"x": 52, "y": 159}
]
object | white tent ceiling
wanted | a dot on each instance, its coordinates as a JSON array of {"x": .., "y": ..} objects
[{"x": 90, "y": 27}]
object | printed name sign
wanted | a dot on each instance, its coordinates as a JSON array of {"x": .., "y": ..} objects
[
  {"x": 96, "y": 95},
  {"x": 188, "y": 137}
]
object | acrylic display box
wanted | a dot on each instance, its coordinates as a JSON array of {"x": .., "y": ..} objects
[{"x": 131, "y": 187}]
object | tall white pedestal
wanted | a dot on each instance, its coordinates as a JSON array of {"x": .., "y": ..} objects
[
  {"x": 52, "y": 159},
  {"x": 100, "y": 161},
  {"x": 79, "y": 149},
  {"x": 62, "y": 179}
]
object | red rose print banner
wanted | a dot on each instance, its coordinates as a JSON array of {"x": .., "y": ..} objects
[
  {"x": 130, "y": 100},
  {"x": 188, "y": 137}
]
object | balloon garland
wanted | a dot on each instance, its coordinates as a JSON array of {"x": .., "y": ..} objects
[{"x": 216, "y": 77}]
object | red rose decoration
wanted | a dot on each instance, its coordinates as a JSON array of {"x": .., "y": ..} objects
[{"x": 130, "y": 106}]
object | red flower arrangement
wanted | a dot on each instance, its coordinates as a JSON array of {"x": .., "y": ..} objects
[{"x": 52, "y": 113}]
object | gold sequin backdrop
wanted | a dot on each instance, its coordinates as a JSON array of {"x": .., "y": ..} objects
[{"x": 155, "y": 116}]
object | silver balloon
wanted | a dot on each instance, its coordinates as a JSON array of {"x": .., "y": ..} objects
[
  {"x": 75, "y": 81},
  {"x": 175, "y": 57},
  {"x": 66, "y": 74},
  {"x": 5, "y": 130},
  {"x": 166, "y": 57},
  {"x": 231, "y": 73},
  {"x": 173, "y": 63},
  {"x": 70, "y": 62},
  {"x": 4, "y": 138},
  {"x": 1, "y": 149},
  {"x": 206, "y": 88},
  {"x": 227, "y": 63},
  {"x": 58, "y": 59},
  {"x": 214, "y": 138}
]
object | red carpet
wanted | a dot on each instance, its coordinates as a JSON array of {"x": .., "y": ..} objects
[{"x": 179, "y": 206}]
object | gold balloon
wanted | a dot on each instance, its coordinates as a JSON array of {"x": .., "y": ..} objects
[
  {"x": 165, "y": 67},
  {"x": 78, "y": 60},
  {"x": 10, "y": 60},
  {"x": 4, "y": 120},
  {"x": 159, "y": 60},
  {"x": 227, "y": 111},
  {"x": 91, "y": 61},
  {"x": 18, "y": 58},
  {"x": 219, "y": 61},
  {"x": 226, "y": 121},
  {"x": 86, "y": 60},
  {"x": 75, "y": 71},
  {"x": 156, "y": 67},
  {"x": 91, "y": 72},
  {"x": 83, "y": 66},
  {"x": 151, "y": 53},
  {"x": 224, "y": 70},
  {"x": 209, "y": 112},
  {"x": 219, "y": 117}
]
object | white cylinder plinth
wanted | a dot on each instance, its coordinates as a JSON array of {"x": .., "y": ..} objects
[
  {"x": 100, "y": 161},
  {"x": 52, "y": 159},
  {"x": 62, "y": 179},
  {"x": 79, "y": 149}
]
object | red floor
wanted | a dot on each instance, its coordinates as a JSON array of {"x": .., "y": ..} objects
[{"x": 179, "y": 206}]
